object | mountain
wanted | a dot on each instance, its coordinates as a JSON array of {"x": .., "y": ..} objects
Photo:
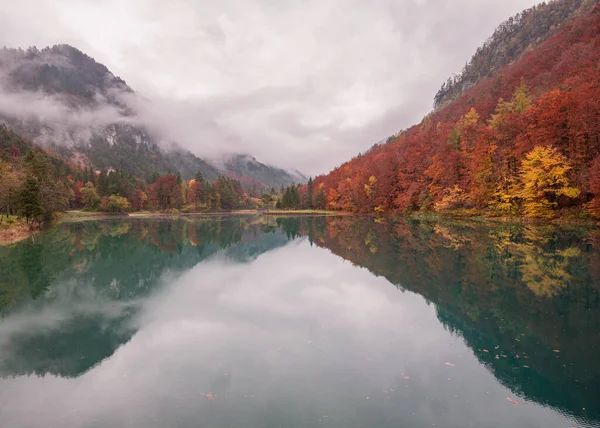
[
  {"x": 248, "y": 166},
  {"x": 90, "y": 117},
  {"x": 525, "y": 140},
  {"x": 519, "y": 34},
  {"x": 60, "y": 70}
]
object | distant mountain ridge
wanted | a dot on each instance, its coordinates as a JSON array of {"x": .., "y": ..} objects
[
  {"x": 246, "y": 165},
  {"x": 77, "y": 106}
]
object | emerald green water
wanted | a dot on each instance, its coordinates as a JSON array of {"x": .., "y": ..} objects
[{"x": 300, "y": 322}]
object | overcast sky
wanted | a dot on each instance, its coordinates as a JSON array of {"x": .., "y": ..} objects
[{"x": 303, "y": 84}]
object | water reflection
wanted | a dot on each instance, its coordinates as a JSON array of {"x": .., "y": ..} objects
[
  {"x": 246, "y": 321},
  {"x": 526, "y": 299},
  {"x": 67, "y": 297}
]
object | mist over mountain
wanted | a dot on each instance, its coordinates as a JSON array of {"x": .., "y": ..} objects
[{"x": 60, "y": 97}]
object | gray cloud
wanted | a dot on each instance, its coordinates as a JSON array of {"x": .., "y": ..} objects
[{"x": 300, "y": 84}]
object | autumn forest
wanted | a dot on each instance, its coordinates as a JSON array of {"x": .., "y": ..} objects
[
  {"x": 155, "y": 272},
  {"x": 517, "y": 133},
  {"x": 526, "y": 141}
]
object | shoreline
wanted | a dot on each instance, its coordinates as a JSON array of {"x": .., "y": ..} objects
[
  {"x": 82, "y": 215},
  {"x": 12, "y": 234},
  {"x": 517, "y": 219},
  {"x": 17, "y": 233}
]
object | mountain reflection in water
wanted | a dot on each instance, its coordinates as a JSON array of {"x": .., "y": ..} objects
[{"x": 524, "y": 299}]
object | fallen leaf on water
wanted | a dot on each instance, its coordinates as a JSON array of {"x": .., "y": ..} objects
[{"x": 556, "y": 350}]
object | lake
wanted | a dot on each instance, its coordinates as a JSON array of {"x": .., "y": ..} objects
[{"x": 300, "y": 322}]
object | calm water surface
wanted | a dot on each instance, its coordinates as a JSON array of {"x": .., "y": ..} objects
[{"x": 300, "y": 322}]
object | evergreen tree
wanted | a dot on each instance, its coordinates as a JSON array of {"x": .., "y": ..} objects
[
  {"x": 102, "y": 184},
  {"x": 36, "y": 165},
  {"x": 207, "y": 192},
  {"x": 153, "y": 177},
  {"x": 295, "y": 197},
  {"x": 227, "y": 201},
  {"x": 309, "y": 194},
  {"x": 29, "y": 199}
]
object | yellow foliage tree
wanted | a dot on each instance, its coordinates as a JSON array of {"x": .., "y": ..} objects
[
  {"x": 503, "y": 109},
  {"x": 520, "y": 103},
  {"x": 463, "y": 127},
  {"x": 521, "y": 100},
  {"x": 369, "y": 191},
  {"x": 470, "y": 119},
  {"x": 453, "y": 197},
  {"x": 543, "y": 179}
]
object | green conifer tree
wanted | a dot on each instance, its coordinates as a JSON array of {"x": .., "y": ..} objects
[{"x": 29, "y": 200}]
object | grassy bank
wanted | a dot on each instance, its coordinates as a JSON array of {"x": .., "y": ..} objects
[
  {"x": 87, "y": 215},
  {"x": 567, "y": 217},
  {"x": 304, "y": 212}
]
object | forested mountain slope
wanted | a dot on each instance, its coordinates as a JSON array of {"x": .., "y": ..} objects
[
  {"x": 69, "y": 101},
  {"x": 510, "y": 41},
  {"x": 526, "y": 140},
  {"x": 33, "y": 182}
]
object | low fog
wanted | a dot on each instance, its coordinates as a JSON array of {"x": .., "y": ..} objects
[{"x": 64, "y": 121}]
